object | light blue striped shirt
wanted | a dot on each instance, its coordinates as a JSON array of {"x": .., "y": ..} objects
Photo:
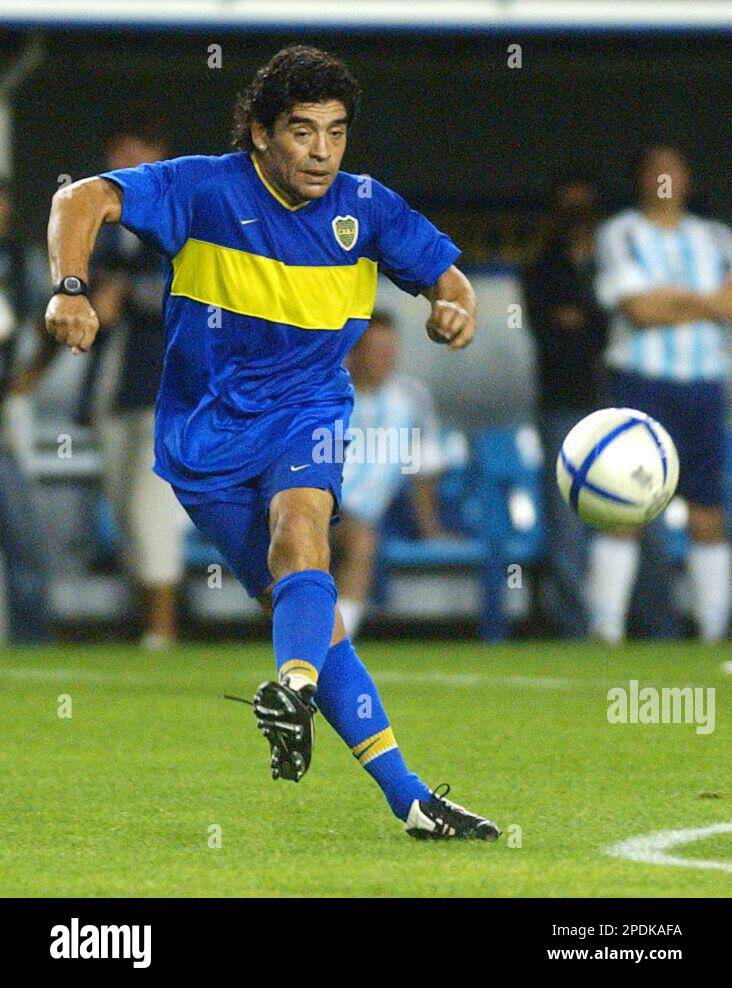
[
  {"x": 401, "y": 405},
  {"x": 636, "y": 256}
]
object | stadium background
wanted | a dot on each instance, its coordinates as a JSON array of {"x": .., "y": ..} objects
[{"x": 585, "y": 99}]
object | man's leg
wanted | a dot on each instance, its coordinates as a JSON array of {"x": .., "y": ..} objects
[
  {"x": 611, "y": 577},
  {"x": 699, "y": 434},
  {"x": 710, "y": 562},
  {"x": 568, "y": 536},
  {"x": 304, "y": 592},
  {"x": 156, "y": 525},
  {"x": 614, "y": 559},
  {"x": 286, "y": 549},
  {"x": 345, "y": 693},
  {"x": 358, "y": 541},
  {"x": 349, "y": 700}
]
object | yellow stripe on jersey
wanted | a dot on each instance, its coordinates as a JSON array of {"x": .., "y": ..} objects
[
  {"x": 374, "y": 746},
  {"x": 252, "y": 285}
]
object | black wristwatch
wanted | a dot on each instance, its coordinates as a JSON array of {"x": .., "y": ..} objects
[{"x": 70, "y": 285}]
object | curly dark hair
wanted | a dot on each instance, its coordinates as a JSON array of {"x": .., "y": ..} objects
[{"x": 298, "y": 74}]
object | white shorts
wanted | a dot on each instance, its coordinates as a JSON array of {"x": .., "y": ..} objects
[{"x": 151, "y": 520}]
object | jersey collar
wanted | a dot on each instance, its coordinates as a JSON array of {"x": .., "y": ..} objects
[{"x": 273, "y": 192}]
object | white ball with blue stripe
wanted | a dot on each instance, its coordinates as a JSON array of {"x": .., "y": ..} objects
[{"x": 618, "y": 469}]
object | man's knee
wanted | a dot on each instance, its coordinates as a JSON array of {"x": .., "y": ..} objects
[{"x": 299, "y": 534}]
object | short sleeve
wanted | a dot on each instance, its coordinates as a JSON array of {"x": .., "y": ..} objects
[
  {"x": 410, "y": 250},
  {"x": 619, "y": 273},
  {"x": 156, "y": 202}
]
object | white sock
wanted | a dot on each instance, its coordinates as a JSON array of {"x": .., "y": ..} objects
[
  {"x": 296, "y": 680},
  {"x": 612, "y": 572},
  {"x": 709, "y": 567},
  {"x": 352, "y": 612}
]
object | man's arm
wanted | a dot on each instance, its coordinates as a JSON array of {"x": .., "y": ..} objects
[
  {"x": 667, "y": 306},
  {"x": 452, "y": 320},
  {"x": 77, "y": 213}
]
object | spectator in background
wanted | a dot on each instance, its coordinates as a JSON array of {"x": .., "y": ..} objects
[
  {"x": 665, "y": 275},
  {"x": 384, "y": 401},
  {"x": 22, "y": 543},
  {"x": 569, "y": 328},
  {"x": 118, "y": 399}
]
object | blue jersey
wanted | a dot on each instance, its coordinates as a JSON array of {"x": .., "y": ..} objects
[{"x": 262, "y": 301}]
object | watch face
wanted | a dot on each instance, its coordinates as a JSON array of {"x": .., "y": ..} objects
[{"x": 72, "y": 284}]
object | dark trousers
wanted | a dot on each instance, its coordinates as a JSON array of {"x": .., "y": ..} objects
[
  {"x": 24, "y": 555},
  {"x": 567, "y": 536},
  {"x": 652, "y": 608}
]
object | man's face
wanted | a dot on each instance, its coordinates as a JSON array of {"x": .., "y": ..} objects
[
  {"x": 373, "y": 359},
  {"x": 661, "y": 162},
  {"x": 303, "y": 155}
]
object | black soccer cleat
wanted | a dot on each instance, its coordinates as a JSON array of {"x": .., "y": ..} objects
[
  {"x": 285, "y": 717},
  {"x": 438, "y": 818}
]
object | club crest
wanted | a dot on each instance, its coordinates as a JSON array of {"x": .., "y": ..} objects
[{"x": 345, "y": 229}]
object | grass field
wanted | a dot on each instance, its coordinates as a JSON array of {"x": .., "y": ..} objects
[{"x": 118, "y": 799}]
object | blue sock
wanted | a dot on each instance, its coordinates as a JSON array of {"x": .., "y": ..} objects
[
  {"x": 303, "y": 614},
  {"x": 348, "y": 699}
]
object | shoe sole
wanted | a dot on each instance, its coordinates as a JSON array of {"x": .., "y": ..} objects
[{"x": 490, "y": 837}]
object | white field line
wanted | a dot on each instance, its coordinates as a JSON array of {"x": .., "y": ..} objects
[
  {"x": 476, "y": 679},
  {"x": 427, "y": 678},
  {"x": 653, "y": 848},
  {"x": 78, "y": 675}
]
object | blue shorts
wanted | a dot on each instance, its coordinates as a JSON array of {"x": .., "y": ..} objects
[
  {"x": 694, "y": 415},
  {"x": 236, "y": 520}
]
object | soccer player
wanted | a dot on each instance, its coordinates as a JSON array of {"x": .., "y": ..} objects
[
  {"x": 271, "y": 256},
  {"x": 666, "y": 277}
]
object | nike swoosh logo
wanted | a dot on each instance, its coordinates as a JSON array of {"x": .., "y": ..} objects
[
  {"x": 245, "y": 222},
  {"x": 303, "y": 467}
]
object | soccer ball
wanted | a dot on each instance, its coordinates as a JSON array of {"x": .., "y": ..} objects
[{"x": 618, "y": 469}]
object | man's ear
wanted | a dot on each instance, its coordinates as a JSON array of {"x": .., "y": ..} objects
[{"x": 259, "y": 136}]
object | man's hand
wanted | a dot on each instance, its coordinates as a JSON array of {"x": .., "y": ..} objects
[
  {"x": 450, "y": 323},
  {"x": 452, "y": 320},
  {"x": 72, "y": 320}
]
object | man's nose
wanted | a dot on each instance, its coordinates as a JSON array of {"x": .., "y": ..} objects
[{"x": 320, "y": 149}]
